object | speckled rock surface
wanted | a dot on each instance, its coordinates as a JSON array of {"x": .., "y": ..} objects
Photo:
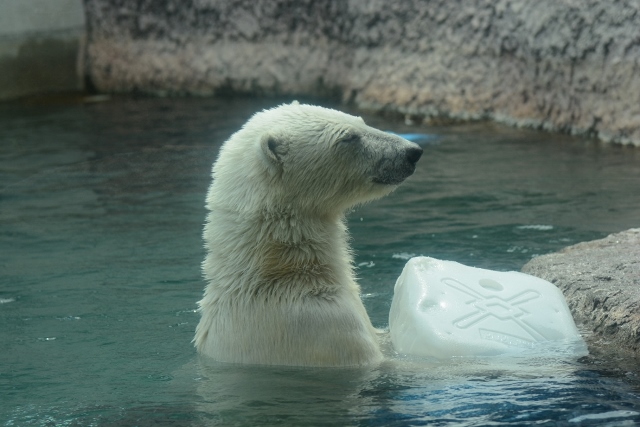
[
  {"x": 568, "y": 65},
  {"x": 601, "y": 282}
]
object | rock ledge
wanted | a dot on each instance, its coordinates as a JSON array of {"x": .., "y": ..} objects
[{"x": 601, "y": 282}]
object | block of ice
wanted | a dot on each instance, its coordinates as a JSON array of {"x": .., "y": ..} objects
[{"x": 443, "y": 309}]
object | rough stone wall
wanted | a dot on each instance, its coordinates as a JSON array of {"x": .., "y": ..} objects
[
  {"x": 601, "y": 282},
  {"x": 568, "y": 65}
]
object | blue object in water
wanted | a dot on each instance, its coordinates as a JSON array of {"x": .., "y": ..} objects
[{"x": 418, "y": 138}]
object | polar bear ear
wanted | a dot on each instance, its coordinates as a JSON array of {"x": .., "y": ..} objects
[{"x": 273, "y": 148}]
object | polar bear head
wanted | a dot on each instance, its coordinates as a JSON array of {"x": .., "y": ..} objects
[{"x": 306, "y": 157}]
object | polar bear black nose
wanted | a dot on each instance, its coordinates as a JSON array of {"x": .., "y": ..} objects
[{"x": 413, "y": 154}]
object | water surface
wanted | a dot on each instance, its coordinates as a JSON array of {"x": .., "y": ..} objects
[{"x": 101, "y": 210}]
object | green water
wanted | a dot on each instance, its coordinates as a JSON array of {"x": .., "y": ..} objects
[{"x": 101, "y": 210}]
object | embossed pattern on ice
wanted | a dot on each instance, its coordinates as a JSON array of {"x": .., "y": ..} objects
[{"x": 443, "y": 309}]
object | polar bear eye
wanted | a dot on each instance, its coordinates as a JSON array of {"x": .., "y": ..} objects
[{"x": 350, "y": 137}]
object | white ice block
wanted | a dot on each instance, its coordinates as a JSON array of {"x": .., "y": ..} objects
[{"x": 443, "y": 309}]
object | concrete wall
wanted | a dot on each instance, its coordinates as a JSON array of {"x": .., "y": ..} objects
[
  {"x": 40, "y": 42},
  {"x": 567, "y": 65}
]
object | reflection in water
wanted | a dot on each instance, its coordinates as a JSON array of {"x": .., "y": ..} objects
[
  {"x": 463, "y": 391},
  {"x": 268, "y": 396}
]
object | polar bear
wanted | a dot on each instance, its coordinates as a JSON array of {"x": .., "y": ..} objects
[{"x": 281, "y": 287}]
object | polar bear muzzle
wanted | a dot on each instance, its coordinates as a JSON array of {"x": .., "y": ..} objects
[{"x": 393, "y": 169}]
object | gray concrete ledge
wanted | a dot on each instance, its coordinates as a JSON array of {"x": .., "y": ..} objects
[
  {"x": 561, "y": 65},
  {"x": 601, "y": 282}
]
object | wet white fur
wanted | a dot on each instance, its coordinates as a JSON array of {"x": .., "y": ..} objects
[{"x": 281, "y": 287}]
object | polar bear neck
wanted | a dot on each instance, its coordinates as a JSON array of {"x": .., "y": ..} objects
[
  {"x": 309, "y": 254},
  {"x": 278, "y": 253}
]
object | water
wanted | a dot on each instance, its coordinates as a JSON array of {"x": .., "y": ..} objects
[{"x": 101, "y": 210}]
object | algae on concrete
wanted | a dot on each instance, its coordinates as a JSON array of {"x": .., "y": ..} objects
[{"x": 40, "y": 46}]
